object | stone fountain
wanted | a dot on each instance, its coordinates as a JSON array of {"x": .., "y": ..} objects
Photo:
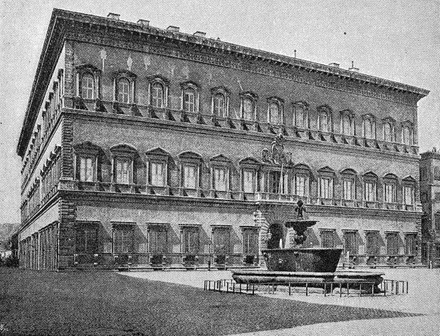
[{"x": 301, "y": 265}]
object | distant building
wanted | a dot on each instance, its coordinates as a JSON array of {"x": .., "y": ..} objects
[
  {"x": 430, "y": 197},
  {"x": 156, "y": 148}
]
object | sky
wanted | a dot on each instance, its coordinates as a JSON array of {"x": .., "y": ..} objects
[{"x": 392, "y": 39}]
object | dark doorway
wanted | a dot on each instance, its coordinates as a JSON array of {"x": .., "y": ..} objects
[{"x": 276, "y": 233}]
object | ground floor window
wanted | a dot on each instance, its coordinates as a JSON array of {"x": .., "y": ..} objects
[
  {"x": 392, "y": 244},
  {"x": 328, "y": 238},
  {"x": 123, "y": 239},
  {"x": 410, "y": 244},
  {"x": 221, "y": 238},
  {"x": 250, "y": 241},
  {"x": 86, "y": 239},
  {"x": 190, "y": 240},
  {"x": 373, "y": 243},
  {"x": 350, "y": 242},
  {"x": 158, "y": 239}
]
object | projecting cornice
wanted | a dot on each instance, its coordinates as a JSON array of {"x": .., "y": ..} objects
[{"x": 65, "y": 24}]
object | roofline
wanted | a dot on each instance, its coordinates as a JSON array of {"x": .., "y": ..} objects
[{"x": 55, "y": 34}]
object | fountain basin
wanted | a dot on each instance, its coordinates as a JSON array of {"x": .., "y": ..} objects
[{"x": 302, "y": 259}]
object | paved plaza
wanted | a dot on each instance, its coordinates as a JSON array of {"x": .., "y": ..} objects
[{"x": 423, "y": 298}]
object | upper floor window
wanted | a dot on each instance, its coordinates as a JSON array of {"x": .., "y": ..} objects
[
  {"x": 274, "y": 112},
  {"x": 407, "y": 134},
  {"x": 369, "y": 126},
  {"x": 86, "y": 161},
  {"x": 157, "y": 160},
  {"x": 123, "y": 164},
  {"x": 248, "y": 105},
  {"x": 325, "y": 119},
  {"x": 190, "y": 97},
  {"x": 408, "y": 190},
  {"x": 326, "y": 182},
  {"x": 190, "y": 170},
  {"x": 157, "y": 174},
  {"x": 300, "y": 115},
  {"x": 301, "y": 177},
  {"x": 88, "y": 86},
  {"x": 124, "y": 91},
  {"x": 248, "y": 181},
  {"x": 86, "y": 168},
  {"x": 348, "y": 177},
  {"x": 158, "y": 91},
  {"x": 88, "y": 79},
  {"x": 220, "y": 179},
  {"x": 220, "y": 166},
  {"x": 220, "y": 101},
  {"x": 347, "y": 122},
  {"x": 157, "y": 94},
  {"x": 370, "y": 187},
  {"x": 248, "y": 169},
  {"x": 390, "y": 187},
  {"x": 388, "y": 130},
  {"x": 124, "y": 83}
]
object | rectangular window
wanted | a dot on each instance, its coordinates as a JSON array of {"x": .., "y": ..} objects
[
  {"x": 189, "y": 101},
  {"x": 219, "y": 105},
  {"x": 347, "y": 190},
  {"x": 410, "y": 244},
  {"x": 392, "y": 244},
  {"x": 123, "y": 239},
  {"x": 408, "y": 195},
  {"x": 123, "y": 169},
  {"x": 248, "y": 108},
  {"x": 373, "y": 243},
  {"x": 390, "y": 193},
  {"x": 328, "y": 238},
  {"x": 250, "y": 242},
  {"x": 326, "y": 188},
  {"x": 86, "y": 165},
  {"x": 190, "y": 237},
  {"x": 274, "y": 182},
  {"x": 248, "y": 181},
  {"x": 220, "y": 179},
  {"x": 123, "y": 91},
  {"x": 157, "y": 174},
  {"x": 189, "y": 177},
  {"x": 300, "y": 185},
  {"x": 158, "y": 240},
  {"x": 221, "y": 241},
  {"x": 350, "y": 243},
  {"x": 370, "y": 192},
  {"x": 86, "y": 240}
]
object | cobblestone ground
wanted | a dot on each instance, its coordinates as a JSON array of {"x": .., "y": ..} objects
[{"x": 415, "y": 313}]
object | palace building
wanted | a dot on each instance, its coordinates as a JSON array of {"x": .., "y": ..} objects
[{"x": 154, "y": 148}]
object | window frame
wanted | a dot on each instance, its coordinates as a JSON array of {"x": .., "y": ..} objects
[
  {"x": 227, "y": 231},
  {"x": 326, "y": 111},
  {"x": 153, "y": 231},
  {"x": 86, "y": 150},
  {"x": 185, "y": 230},
  {"x": 253, "y": 98},
  {"x": 123, "y": 227},
  {"x": 225, "y": 93},
  {"x": 326, "y": 174},
  {"x": 89, "y": 226},
  {"x": 80, "y": 72},
  {"x": 124, "y": 153},
  {"x": 164, "y": 83},
  {"x": 130, "y": 78},
  {"x": 186, "y": 88},
  {"x": 253, "y": 239},
  {"x": 305, "y": 115},
  {"x": 372, "y": 129},
  {"x": 391, "y": 137},
  {"x": 370, "y": 179},
  {"x": 278, "y": 103},
  {"x": 351, "y": 123}
]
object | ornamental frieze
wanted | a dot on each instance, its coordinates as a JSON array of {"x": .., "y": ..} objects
[{"x": 227, "y": 61}]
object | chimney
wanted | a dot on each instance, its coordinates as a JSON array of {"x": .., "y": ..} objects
[
  {"x": 199, "y": 33},
  {"x": 173, "y": 29},
  {"x": 113, "y": 16},
  {"x": 353, "y": 68},
  {"x": 336, "y": 65},
  {"x": 144, "y": 23}
]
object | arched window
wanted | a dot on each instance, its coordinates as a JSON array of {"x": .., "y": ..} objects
[
  {"x": 274, "y": 113},
  {"x": 123, "y": 91},
  {"x": 326, "y": 183},
  {"x": 407, "y": 135},
  {"x": 157, "y": 95},
  {"x": 87, "y": 86},
  {"x": 390, "y": 188},
  {"x": 387, "y": 132},
  {"x": 370, "y": 187},
  {"x": 348, "y": 177},
  {"x": 369, "y": 127},
  {"x": 324, "y": 119},
  {"x": 219, "y": 105},
  {"x": 190, "y": 97},
  {"x": 300, "y": 115},
  {"x": 347, "y": 122},
  {"x": 248, "y": 105}
]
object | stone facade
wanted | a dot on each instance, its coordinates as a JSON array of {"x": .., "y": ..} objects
[
  {"x": 153, "y": 148},
  {"x": 430, "y": 197}
]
